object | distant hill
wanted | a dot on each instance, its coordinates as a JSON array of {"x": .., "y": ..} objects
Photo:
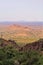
[
  {"x": 22, "y": 22},
  {"x": 21, "y": 32}
]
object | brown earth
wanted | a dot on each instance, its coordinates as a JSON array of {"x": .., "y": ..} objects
[{"x": 21, "y": 34}]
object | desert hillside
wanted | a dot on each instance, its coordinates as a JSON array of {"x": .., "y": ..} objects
[
  {"x": 20, "y": 33},
  {"x": 12, "y": 54},
  {"x": 37, "y": 45}
]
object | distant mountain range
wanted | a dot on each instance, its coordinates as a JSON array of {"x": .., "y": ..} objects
[{"x": 23, "y": 23}]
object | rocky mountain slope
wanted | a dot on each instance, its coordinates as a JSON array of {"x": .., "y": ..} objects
[{"x": 37, "y": 45}]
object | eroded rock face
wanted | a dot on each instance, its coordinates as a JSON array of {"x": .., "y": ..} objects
[{"x": 38, "y": 45}]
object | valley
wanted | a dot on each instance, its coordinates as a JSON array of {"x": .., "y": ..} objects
[{"x": 21, "y": 34}]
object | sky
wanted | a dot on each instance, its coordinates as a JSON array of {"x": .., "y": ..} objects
[{"x": 21, "y": 10}]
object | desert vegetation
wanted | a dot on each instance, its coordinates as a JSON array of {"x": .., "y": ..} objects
[
  {"x": 21, "y": 45},
  {"x": 12, "y": 54}
]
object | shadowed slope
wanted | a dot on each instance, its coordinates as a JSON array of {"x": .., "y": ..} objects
[
  {"x": 9, "y": 43},
  {"x": 37, "y": 45}
]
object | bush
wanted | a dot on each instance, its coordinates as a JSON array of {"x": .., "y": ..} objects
[{"x": 14, "y": 57}]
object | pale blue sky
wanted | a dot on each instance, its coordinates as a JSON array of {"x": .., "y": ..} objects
[{"x": 21, "y": 10}]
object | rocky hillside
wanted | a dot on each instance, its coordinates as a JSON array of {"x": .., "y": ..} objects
[
  {"x": 10, "y": 43},
  {"x": 37, "y": 45}
]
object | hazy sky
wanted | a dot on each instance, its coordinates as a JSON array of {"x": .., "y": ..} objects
[{"x": 21, "y": 10}]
